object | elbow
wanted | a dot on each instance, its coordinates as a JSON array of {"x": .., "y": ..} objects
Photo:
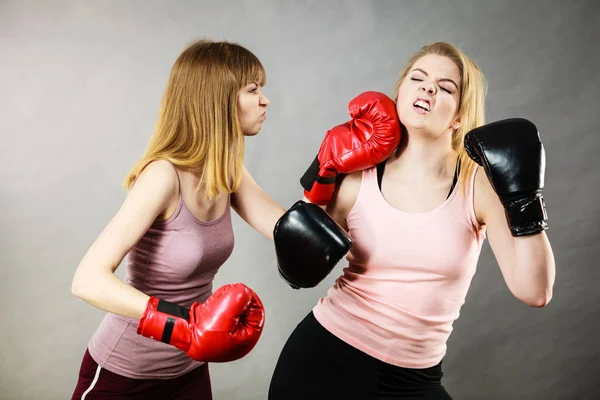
[
  {"x": 78, "y": 288},
  {"x": 81, "y": 287},
  {"x": 537, "y": 300},
  {"x": 533, "y": 284}
]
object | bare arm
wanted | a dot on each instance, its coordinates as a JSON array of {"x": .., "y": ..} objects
[
  {"x": 94, "y": 280},
  {"x": 255, "y": 206},
  {"x": 526, "y": 262},
  {"x": 344, "y": 198}
]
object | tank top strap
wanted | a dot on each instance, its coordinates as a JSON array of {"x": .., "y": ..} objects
[
  {"x": 178, "y": 179},
  {"x": 381, "y": 167}
]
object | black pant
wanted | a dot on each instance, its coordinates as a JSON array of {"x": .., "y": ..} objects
[{"x": 314, "y": 364}]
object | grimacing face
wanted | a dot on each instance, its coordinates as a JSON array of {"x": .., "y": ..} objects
[
  {"x": 429, "y": 96},
  {"x": 253, "y": 108}
]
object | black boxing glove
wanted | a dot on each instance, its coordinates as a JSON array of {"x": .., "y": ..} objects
[
  {"x": 512, "y": 155},
  {"x": 308, "y": 245}
]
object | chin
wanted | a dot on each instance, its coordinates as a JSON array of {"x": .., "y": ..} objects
[
  {"x": 251, "y": 132},
  {"x": 413, "y": 123}
]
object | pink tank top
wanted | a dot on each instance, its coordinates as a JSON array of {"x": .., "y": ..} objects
[
  {"x": 407, "y": 278},
  {"x": 176, "y": 260}
]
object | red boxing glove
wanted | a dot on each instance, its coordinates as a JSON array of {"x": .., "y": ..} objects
[
  {"x": 363, "y": 142},
  {"x": 224, "y": 328}
]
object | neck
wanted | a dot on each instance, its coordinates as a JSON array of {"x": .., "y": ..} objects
[{"x": 423, "y": 159}]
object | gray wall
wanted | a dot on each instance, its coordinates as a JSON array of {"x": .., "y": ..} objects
[{"x": 80, "y": 86}]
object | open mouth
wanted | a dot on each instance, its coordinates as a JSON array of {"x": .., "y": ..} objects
[{"x": 422, "y": 106}]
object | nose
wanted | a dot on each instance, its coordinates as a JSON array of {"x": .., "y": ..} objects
[
  {"x": 264, "y": 100},
  {"x": 428, "y": 87}
]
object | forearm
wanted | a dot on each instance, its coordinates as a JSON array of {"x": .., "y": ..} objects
[
  {"x": 107, "y": 292},
  {"x": 266, "y": 223},
  {"x": 511, "y": 153},
  {"x": 256, "y": 207},
  {"x": 533, "y": 270}
]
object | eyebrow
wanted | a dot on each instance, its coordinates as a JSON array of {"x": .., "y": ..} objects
[{"x": 442, "y": 79}]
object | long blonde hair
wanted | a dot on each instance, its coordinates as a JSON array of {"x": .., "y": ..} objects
[
  {"x": 471, "y": 107},
  {"x": 198, "y": 127}
]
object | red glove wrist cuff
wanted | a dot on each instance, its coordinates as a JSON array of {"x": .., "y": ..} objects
[{"x": 165, "y": 322}]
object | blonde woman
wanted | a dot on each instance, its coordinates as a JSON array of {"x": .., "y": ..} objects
[
  {"x": 417, "y": 223},
  {"x": 164, "y": 323}
]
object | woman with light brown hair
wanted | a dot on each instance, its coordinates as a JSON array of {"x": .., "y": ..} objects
[
  {"x": 164, "y": 323},
  {"x": 417, "y": 222}
]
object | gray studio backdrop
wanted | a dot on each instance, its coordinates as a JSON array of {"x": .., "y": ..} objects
[{"x": 80, "y": 87}]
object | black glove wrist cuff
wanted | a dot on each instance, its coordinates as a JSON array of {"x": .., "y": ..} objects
[
  {"x": 527, "y": 215},
  {"x": 311, "y": 174},
  {"x": 173, "y": 309},
  {"x": 176, "y": 311}
]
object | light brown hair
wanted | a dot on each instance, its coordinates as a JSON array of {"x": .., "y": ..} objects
[{"x": 198, "y": 126}]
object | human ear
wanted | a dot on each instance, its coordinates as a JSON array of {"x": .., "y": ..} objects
[{"x": 456, "y": 124}]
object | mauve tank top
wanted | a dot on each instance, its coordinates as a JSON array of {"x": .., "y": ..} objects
[
  {"x": 176, "y": 260},
  {"x": 407, "y": 278}
]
